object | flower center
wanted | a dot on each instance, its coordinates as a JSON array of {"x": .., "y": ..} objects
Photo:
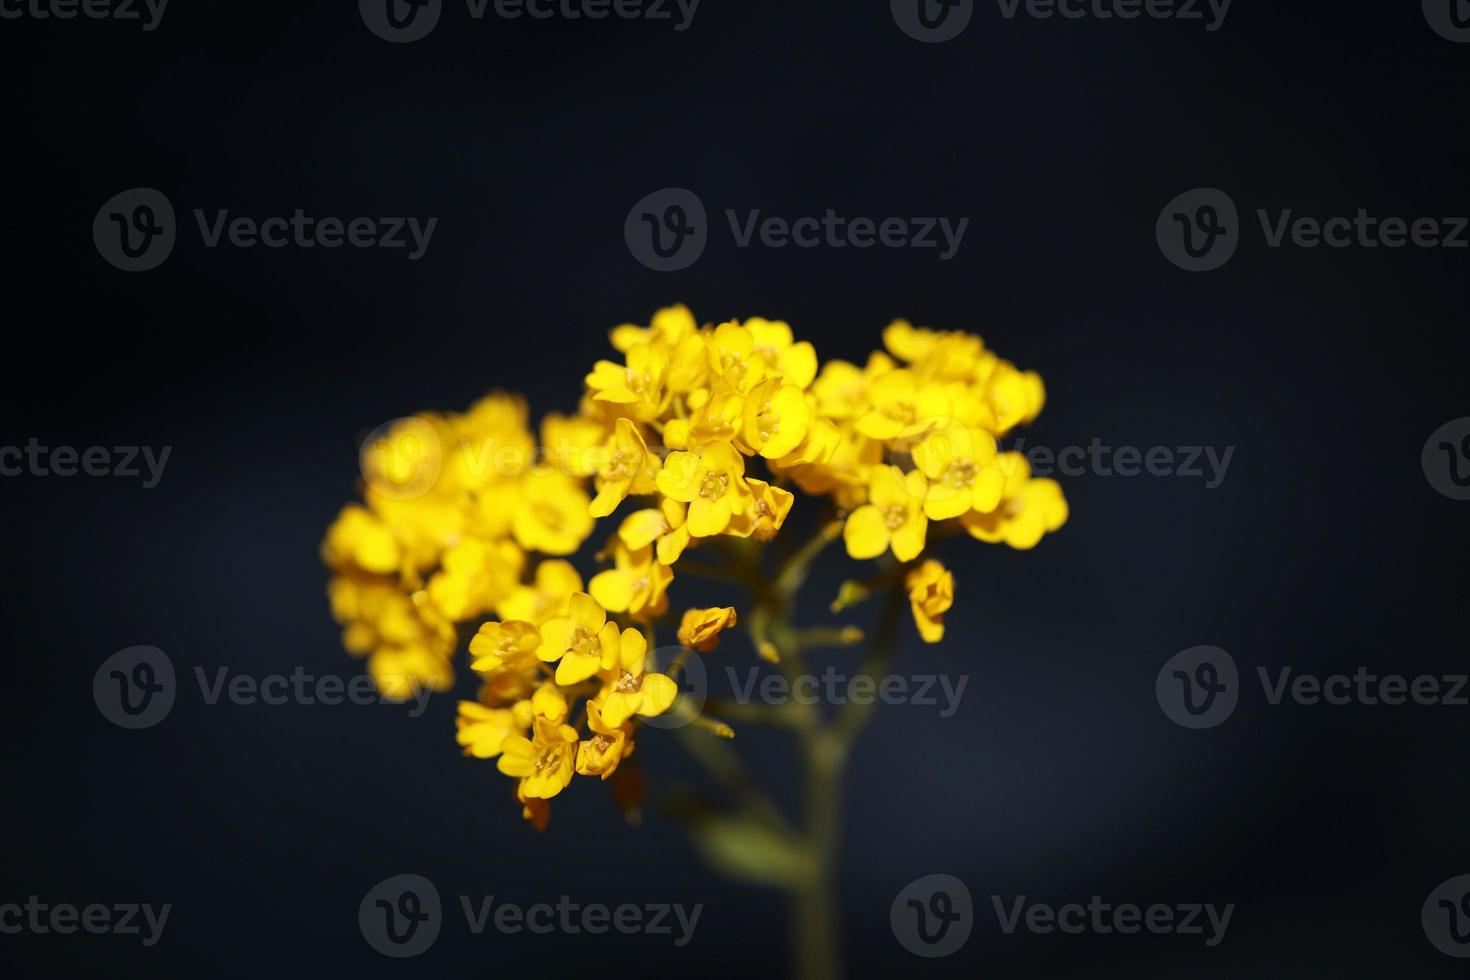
[
  {"x": 714, "y": 485},
  {"x": 584, "y": 642},
  {"x": 627, "y": 684},
  {"x": 894, "y": 516},
  {"x": 959, "y": 474}
]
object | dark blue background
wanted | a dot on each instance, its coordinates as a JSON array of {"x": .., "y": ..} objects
[{"x": 1324, "y": 549}]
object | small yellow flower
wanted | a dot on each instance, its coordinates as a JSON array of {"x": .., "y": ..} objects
[
  {"x": 661, "y": 526},
  {"x": 545, "y": 762},
  {"x": 627, "y": 690},
  {"x": 712, "y": 481},
  {"x": 776, "y": 418},
  {"x": 669, "y": 325},
  {"x": 700, "y": 629},
  {"x": 510, "y": 645},
  {"x": 359, "y": 538},
  {"x": 638, "y": 386},
  {"x": 474, "y": 575},
  {"x": 959, "y": 463},
  {"x": 733, "y": 357},
  {"x": 767, "y": 512},
  {"x": 637, "y": 584},
  {"x": 795, "y": 362},
  {"x": 480, "y": 730},
  {"x": 931, "y": 594},
  {"x": 584, "y": 641},
  {"x": 608, "y": 746},
  {"x": 555, "y": 579},
  {"x": 894, "y": 516},
  {"x": 1022, "y": 518},
  {"x": 628, "y": 468},
  {"x": 551, "y": 513},
  {"x": 899, "y": 402}
]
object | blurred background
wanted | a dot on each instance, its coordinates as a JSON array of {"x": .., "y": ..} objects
[{"x": 1324, "y": 548}]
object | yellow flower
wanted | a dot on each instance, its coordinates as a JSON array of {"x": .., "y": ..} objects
[
  {"x": 1023, "y": 517},
  {"x": 584, "y": 641},
  {"x": 767, "y": 512},
  {"x": 661, "y": 526},
  {"x": 608, "y": 746},
  {"x": 776, "y": 418},
  {"x": 627, "y": 690},
  {"x": 733, "y": 357},
  {"x": 628, "y": 467},
  {"x": 474, "y": 575},
  {"x": 359, "y": 538},
  {"x": 544, "y": 762},
  {"x": 959, "y": 463},
  {"x": 551, "y": 514},
  {"x": 796, "y": 363},
  {"x": 637, "y": 584},
  {"x": 510, "y": 645},
  {"x": 480, "y": 730},
  {"x": 573, "y": 443},
  {"x": 700, "y": 629},
  {"x": 712, "y": 481},
  {"x": 638, "y": 386},
  {"x": 669, "y": 325},
  {"x": 931, "y": 593},
  {"x": 894, "y": 516},
  {"x": 401, "y": 672},
  {"x": 546, "y": 599},
  {"x": 899, "y": 402}
]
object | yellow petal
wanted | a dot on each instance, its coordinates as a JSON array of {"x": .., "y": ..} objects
[
  {"x": 866, "y": 533},
  {"x": 613, "y": 588},
  {"x": 659, "y": 692}
]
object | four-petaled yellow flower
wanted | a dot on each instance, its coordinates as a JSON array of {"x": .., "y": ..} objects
[
  {"x": 893, "y": 517},
  {"x": 711, "y": 481},
  {"x": 545, "y": 762},
  {"x": 628, "y": 690},
  {"x": 582, "y": 641}
]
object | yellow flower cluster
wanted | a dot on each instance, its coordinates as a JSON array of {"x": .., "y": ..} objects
[{"x": 704, "y": 432}]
